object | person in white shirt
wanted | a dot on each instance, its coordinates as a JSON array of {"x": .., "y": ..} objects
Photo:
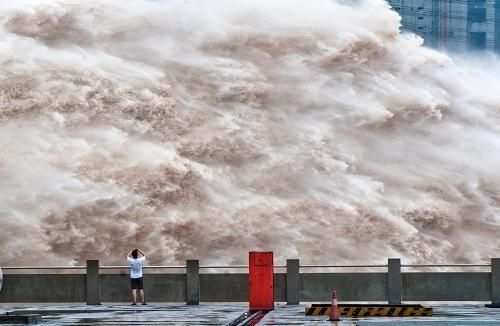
[{"x": 136, "y": 282}]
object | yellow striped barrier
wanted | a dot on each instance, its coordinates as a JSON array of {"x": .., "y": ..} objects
[{"x": 354, "y": 310}]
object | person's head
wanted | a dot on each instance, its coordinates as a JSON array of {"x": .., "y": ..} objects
[{"x": 135, "y": 254}]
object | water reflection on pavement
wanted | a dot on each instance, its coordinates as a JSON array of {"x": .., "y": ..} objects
[
  {"x": 459, "y": 315},
  {"x": 135, "y": 315},
  {"x": 222, "y": 314}
]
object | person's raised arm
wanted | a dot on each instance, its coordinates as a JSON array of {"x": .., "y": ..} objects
[
  {"x": 142, "y": 253},
  {"x": 129, "y": 254}
]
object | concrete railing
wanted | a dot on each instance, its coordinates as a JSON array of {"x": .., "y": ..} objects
[{"x": 293, "y": 283}]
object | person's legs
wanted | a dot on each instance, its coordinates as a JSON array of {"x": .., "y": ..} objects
[
  {"x": 141, "y": 291},
  {"x": 134, "y": 295},
  {"x": 133, "y": 283}
]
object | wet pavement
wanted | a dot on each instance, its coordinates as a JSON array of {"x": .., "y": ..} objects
[
  {"x": 459, "y": 315},
  {"x": 222, "y": 314},
  {"x": 152, "y": 314}
]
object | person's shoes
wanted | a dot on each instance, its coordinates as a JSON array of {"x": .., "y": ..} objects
[
  {"x": 133, "y": 304},
  {"x": 144, "y": 303}
]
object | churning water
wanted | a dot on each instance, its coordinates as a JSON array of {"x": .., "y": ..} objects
[{"x": 205, "y": 129}]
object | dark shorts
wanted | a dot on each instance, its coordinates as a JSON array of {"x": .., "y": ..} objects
[{"x": 136, "y": 283}]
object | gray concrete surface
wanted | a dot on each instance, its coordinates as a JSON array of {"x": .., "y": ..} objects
[
  {"x": 495, "y": 280},
  {"x": 157, "y": 287},
  {"x": 193, "y": 287},
  {"x": 280, "y": 287},
  {"x": 460, "y": 315},
  {"x": 154, "y": 314},
  {"x": 234, "y": 287},
  {"x": 192, "y": 282},
  {"x": 349, "y": 286},
  {"x": 394, "y": 281},
  {"x": 43, "y": 288},
  {"x": 446, "y": 287},
  {"x": 224, "y": 287},
  {"x": 292, "y": 281},
  {"x": 222, "y": 314},
  {"x": 92, "y": 282}
]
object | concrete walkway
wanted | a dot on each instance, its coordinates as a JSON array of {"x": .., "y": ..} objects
[
  {"x": 222, "y": 314},
  {"x": 460, "y": 315},
  {"x": 152, "y": 314}
]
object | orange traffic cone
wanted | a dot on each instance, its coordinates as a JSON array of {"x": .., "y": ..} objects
[{"x": 334, "y": 312}]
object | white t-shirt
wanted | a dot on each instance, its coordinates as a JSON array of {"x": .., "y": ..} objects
[{"x": 136, "y": 266}]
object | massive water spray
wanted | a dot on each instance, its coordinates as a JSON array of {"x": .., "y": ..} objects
[{"x": 205, "y": 129}]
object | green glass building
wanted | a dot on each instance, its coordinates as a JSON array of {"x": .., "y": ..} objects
[{"x": 453, "y": 25}]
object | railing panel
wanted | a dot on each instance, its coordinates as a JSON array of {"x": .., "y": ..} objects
[
  {"x": 157, "y": 287},
  {"x": 446, "y": 286},
  {"x": 465, "y": 282},
  {"x": 349, "y": 286},
  {"x": 224, "y": 287},
  {"x": 280, "y": 287},
  {"x": 43, "y": 288}
]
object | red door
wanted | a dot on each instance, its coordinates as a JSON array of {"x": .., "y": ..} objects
[{"x": 261, "y": 281}]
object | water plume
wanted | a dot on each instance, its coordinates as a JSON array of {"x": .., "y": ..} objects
[{"x": 208, "y": 129}]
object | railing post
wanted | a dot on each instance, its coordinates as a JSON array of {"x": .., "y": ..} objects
[
  {"x": 292, "y": 281},
  {"x": 394, "y": 283},
  {"x": 92, "y": 280},
  {"x": 192, "y": 282},
  {"x": 495, "y": 281}
]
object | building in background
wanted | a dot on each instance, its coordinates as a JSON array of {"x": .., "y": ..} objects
[{"x": 454, "y": 25}]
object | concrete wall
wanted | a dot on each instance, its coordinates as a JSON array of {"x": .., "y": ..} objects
[
  {"x": 234, "y": 287},
  {"x": 43, "y": 288},
  {"x": 224, "y": 287},
  {"x": 280, "y": 287},
  {"x": 447, "y": 286},
  {"x": 213, "y": 287},
  {"x": 157, "y": 287},
  {"x": 349, "y": 286}
]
